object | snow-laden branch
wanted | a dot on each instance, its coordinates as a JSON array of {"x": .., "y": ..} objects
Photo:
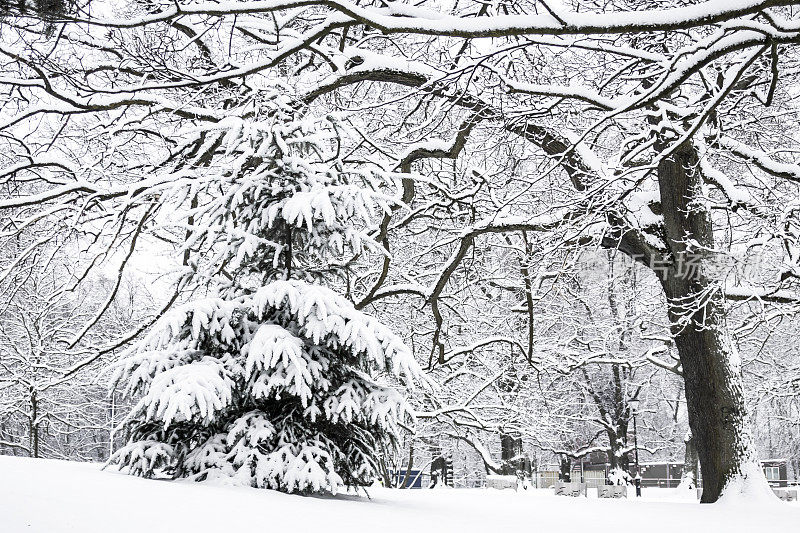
[
  {"x": 400, "y": 17},
  {"x": 740, "y": 294},
  {"x": 674, "y": 366},
  {"x": 761, "y": 159}
]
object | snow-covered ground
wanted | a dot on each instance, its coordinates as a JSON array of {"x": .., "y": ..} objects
[{"x": 42, "y": 496}]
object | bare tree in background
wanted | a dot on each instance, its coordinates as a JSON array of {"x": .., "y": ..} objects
[{"x": 46, "y": 410}]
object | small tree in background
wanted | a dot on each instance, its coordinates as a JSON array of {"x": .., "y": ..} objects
[{"x": 279, "y": 382}]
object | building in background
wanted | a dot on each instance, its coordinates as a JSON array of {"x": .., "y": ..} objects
[{"x": 662, "y": 474}]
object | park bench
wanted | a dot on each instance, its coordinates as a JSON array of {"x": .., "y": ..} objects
[
  {"x": 612, "y": 491},
  {"x": 573, "y": 489},
  {"x": 501, "y": 482},
  {"x": 786, "y": 495}
]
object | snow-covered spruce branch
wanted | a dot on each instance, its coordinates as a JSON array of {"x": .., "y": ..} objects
[{"x": 271, "y": 384}]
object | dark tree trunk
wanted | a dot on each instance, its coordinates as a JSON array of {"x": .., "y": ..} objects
[
  {"x": 712, "y": 379},
  {"x": 511, "y": 455},
  {"x": 618, "y": 458},
  {"x": 384, "y": 467},
  {"x": 565, "y": 470},
  {"x": 33, "y": 423},
  {"x": 407, "y": 477}
]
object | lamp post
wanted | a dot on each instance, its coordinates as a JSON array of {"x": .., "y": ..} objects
[{"x": 634, "y": 405}]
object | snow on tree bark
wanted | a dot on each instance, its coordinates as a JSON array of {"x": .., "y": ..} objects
[
  {"x": 690, "y": 460},
  {"x": 712, "y": 378}
]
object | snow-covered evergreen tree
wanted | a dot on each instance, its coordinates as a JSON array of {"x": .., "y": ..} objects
[{"x": 279, "y": 382}]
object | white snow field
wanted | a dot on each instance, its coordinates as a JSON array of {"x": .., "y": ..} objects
[{"x": 44, "y": 496}]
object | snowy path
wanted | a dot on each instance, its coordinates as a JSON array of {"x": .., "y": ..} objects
[{"x": 39, "y": 496}]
